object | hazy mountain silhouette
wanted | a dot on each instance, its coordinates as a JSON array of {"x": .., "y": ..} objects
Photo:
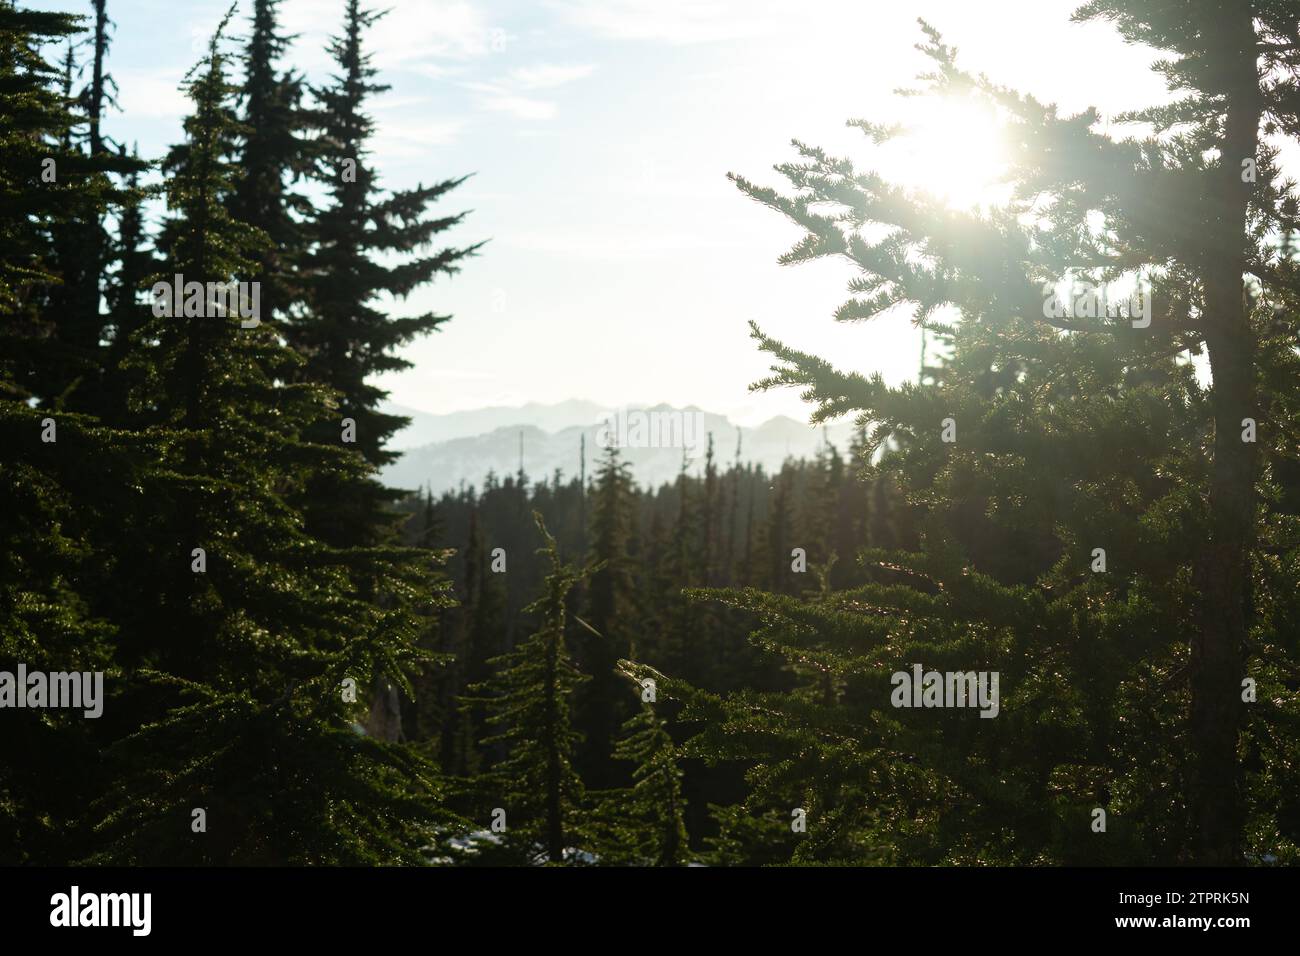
[
  {"x": 426, "y": 428},
  {"x": 463, "y": 455}
]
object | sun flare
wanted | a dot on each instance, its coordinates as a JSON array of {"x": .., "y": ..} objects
[{"x": 953, "y": 150}]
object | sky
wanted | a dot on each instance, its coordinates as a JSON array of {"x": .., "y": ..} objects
[{"x": 622, "y": 266}]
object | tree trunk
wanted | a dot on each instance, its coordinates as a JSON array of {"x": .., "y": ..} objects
[
  {"x": 554, "y": 808},
  {"x": 1218, "y": 657}
]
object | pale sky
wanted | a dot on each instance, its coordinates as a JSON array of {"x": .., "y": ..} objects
[{"x": 623, "y": 267}]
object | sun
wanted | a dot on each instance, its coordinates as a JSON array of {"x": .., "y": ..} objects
[{"x": 953, "y": 150}]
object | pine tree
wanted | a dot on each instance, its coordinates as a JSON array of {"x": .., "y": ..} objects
[
  {"x": 273, "y": 150},
  {"x": 51, "y": 190},
  {"x": 776, "y": 541},
  {"x": 239, "y": 656},
  {"x": 344, "y": 336},
  {"x": 62, "y": 477},
  {"x": 127, "y": 315},
  {"x": 485, "y": 605},
  {"x": 609, "y": 615},
  {"x": 528, "y": 697},
  {"x": 646, "y": 823},
  {"x": 74, "y": 304},
  {"x": 709, "y": 511}
]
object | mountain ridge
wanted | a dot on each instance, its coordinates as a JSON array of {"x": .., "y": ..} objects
[{"x": 465, "y": 457}]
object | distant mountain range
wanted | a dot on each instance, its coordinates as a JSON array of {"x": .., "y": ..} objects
[{"x": 445, "y": 451}]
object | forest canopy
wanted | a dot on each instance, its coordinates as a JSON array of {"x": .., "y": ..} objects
[{"x": 1042, "y": 609}]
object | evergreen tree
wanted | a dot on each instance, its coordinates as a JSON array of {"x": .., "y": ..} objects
[
  {"x": 127, "y": 315},
  {"x": 677, "y": 644},
  {"x": 239, "y": 656},
  {"x": 273, "y": 150},
  {"x": 776, "y": 541},
  {"x": 344, "y": 336},
  {"x": 485, "y": 604},
  {"x": 709, "y": 511},
  {"x": 62, "y": 476},
  {"x": 528, "y": 697},
  {"x": 50, "y": 190},
  {"x": 646, "y": 824},
  {"x": 609, "y": 613}
]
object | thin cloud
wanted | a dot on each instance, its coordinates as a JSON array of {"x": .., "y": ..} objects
[
  {"x": 498, "y": 99},
  {"x": 155, "y": 94},
  {"x": 413, "y": 139},
  {"x": 676, "y": 21},
  {"x": 546, "y": 76},
  {"x": 511, "y": 93}
]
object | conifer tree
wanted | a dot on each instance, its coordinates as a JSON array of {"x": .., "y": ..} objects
[
  {"x": 528, "y": 698},
  {"x": 90, "y": 262},
  {"x": 73, "y": 304},
  {"x": 646, "y": 824},
  {"x": 51, "y": 188},
  {"x": 677, "y": 643},
  {"x": 345, "y": 336},
  {"x": 273, "y": 151},
  {"x": 609, "y": 614},
  {"x": 709, "y": 512},
  {"x": 776, "y": 541},
  {"x": 127, "y": 314},
  {"x": 62, "y": 475},
  {"x": 241, "y": 647},
  {"x": 484, "y": 613}
]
